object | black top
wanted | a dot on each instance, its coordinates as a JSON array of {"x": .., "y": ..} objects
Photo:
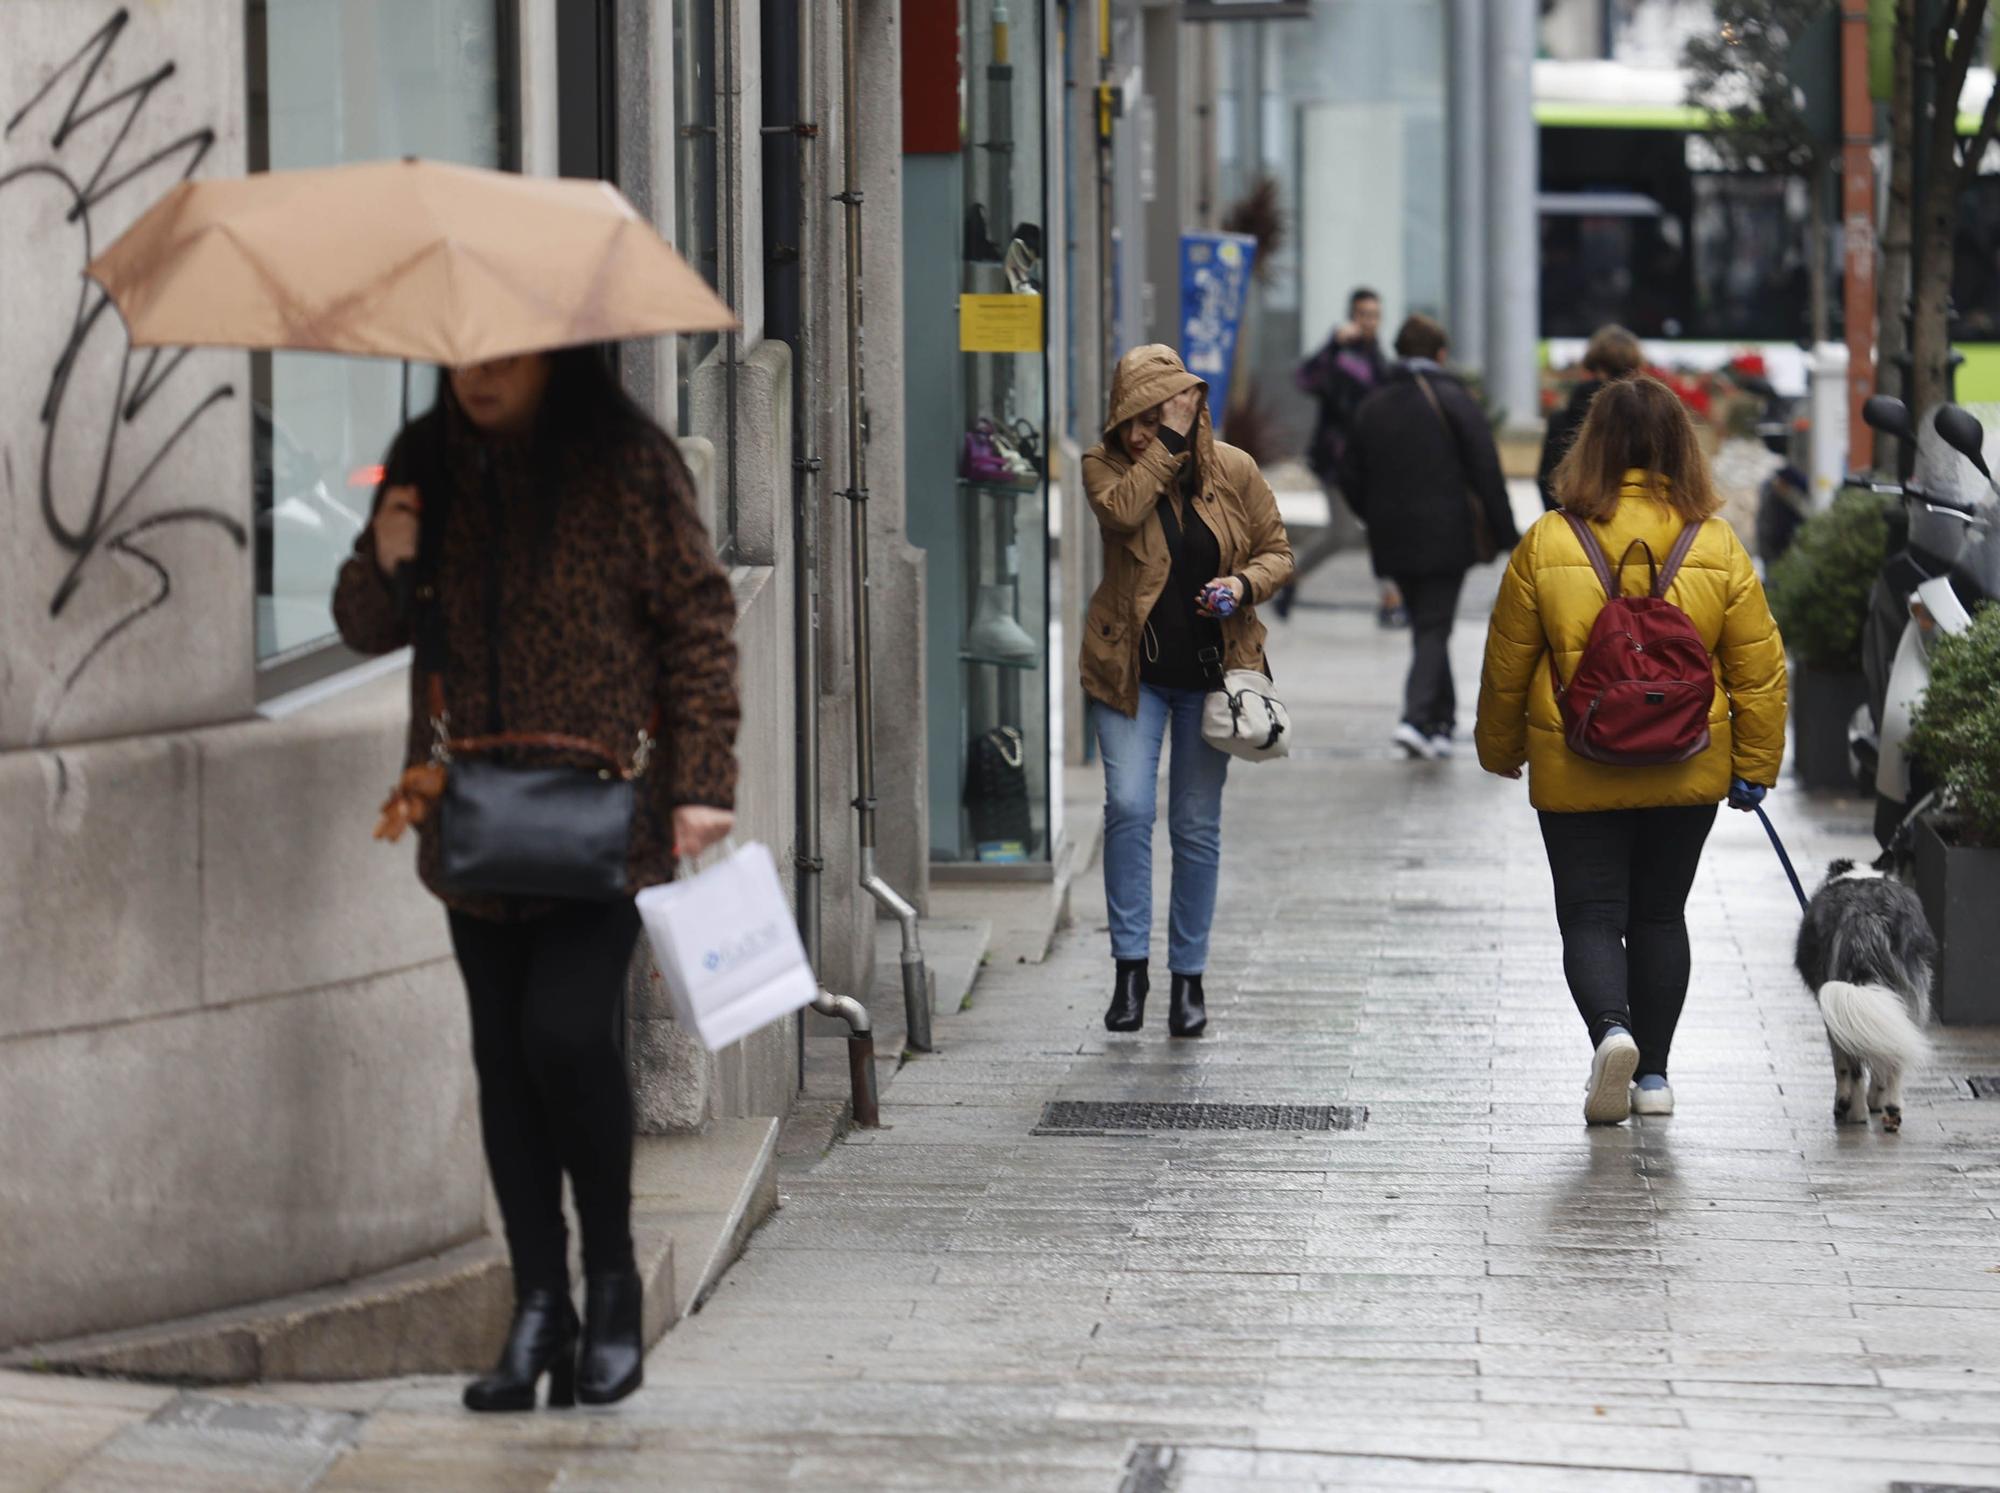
[
  {"x": 1176, "y": 632},
  {"x": 1564, "y": 423},
  {"x": 1413, "y": 472}
]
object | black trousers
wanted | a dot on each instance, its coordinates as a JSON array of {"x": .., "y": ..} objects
[
  {"x": 547, "y": 1002},
  {"x": 1429, "y": 701},
  {"x": 1622, "y": 878}
]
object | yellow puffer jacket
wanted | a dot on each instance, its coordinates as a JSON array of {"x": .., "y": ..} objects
[{"x": 1549, "y": 599}]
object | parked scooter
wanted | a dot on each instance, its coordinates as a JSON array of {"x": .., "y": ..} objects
[{"x": 1949, "y": 564}]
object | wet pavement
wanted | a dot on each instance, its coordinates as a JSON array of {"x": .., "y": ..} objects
[{"x": 1467, "y": 1290}]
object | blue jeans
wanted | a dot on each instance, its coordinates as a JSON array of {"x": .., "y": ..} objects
[{"x": 1130, "y": 747}]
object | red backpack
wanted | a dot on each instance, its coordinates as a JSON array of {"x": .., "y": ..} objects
[{"x": 1641, "y": 693}]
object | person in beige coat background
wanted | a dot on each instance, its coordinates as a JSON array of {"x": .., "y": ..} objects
[{"x": 1185, "y": 519}]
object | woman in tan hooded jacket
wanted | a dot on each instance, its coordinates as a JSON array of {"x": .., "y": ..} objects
[{"x": 1184, "y": 519}]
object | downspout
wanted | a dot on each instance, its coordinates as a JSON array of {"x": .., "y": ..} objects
[
  {"x": 916, "y": 978},
  {"x": 808, "y": 860}
]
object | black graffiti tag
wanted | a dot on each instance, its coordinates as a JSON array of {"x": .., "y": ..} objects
[{"x": 110, "y": 524}]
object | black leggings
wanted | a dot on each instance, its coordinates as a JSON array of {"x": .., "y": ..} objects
[
  {"x": 1622, "y": 879},
  {"x": 547, "y": 999}
]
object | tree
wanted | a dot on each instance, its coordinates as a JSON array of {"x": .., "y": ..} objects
[
  {"x": 1738, "y": 75},
  {"x": 1892, "y": 337},
  {"x": 1953, "y": 162}
]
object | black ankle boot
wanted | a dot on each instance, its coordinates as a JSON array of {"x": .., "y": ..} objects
[
  {"x": 613, "y": 1361},
  {"x": 541, "y": 1341},
  {"x": 1187, "y": 1015},
  {"x": 1128, "y": 998}
]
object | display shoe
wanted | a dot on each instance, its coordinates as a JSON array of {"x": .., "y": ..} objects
[
  {"x": 979, "y": 245},
  {"x": 994, "y": 634},
  {"x": 612, "y": 1362},
  {"x": 1027, "y": 471},
  {"x": 1024, "y": 269},
  {"x": 1128, "y": 997},
  {"x": 542, "y": 1340},
  {"x": 1187, "y": 1011}
]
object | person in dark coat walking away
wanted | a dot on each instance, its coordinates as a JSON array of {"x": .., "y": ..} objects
[
  {"x": 1424, "y": 474},
  {"x": 570, "y": 596},
  {"x": 1613, "y": 353},
  {"x": 1338, "y": 377}
]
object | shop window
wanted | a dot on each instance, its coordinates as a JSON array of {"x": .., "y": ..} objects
[{"x": 361, "y": 80}]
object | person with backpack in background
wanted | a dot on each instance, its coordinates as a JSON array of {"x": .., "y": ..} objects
[
  {"x": 1612, "y": 353},
  {"x": 1338, "y": 377},
  {"x": 1424, "y": 475},
  {"x": 1633, "y": 666}
]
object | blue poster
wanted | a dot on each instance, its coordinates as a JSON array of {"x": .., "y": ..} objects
[{"x": 1215, "y": 287}]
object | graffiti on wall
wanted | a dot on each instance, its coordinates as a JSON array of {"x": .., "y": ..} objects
[{"x": 86, "y": 141}]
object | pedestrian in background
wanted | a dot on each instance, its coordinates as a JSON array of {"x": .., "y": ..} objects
[
  {"x": 1183, "y": 515},
  {"x": 1424, "y": 474},
  {"x": 1338, "y": 377},
  {"x": 1624, "y": 841},
  {"x": 576, "y": 593},
  {"x": 1612, "y": 353}
]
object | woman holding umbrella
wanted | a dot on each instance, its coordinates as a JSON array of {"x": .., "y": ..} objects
[
  {"x": 536, "y": 540},
  {"x": 574, "y": 593}
]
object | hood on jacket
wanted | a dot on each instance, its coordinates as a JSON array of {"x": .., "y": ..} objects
[
  {"x": 1151, "y": 375},
  {"x": 1407, "y": 369}
]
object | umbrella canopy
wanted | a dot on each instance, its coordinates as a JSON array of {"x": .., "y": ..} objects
[{"x": 400, "y": 259}]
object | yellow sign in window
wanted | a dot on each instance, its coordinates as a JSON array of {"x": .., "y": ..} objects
[{"x": 1000, "y": 323}]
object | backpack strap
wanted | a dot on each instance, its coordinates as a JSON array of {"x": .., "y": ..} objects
[
  {"x": 1676, "y": 555},
  {"x": 1594, "y": 552}
]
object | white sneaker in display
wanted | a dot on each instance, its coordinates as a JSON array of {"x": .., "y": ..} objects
[{"x": 1607, "y": 1100}]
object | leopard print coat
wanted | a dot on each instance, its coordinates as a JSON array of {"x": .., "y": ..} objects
[{"x": 612, "y": 605}]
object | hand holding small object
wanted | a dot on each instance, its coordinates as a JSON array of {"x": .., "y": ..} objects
[{"x": 395, "y": 528}]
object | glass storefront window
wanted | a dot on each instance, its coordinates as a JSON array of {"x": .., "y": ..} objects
[{"x": 357, "y": 81}]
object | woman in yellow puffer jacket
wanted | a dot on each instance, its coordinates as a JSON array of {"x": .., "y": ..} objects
[{"x": 1624, "y": 842}]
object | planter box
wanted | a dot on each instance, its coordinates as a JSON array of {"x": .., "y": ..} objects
[
  {"x": 1960, "y": 890},
  {"x": 1822, "y": 705}
]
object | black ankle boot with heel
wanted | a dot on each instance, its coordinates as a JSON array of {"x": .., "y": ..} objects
[
  {"x": 613, "y": 1361},
  {"x": 1187, "y": 1011},
  {"x": 542, "y": 1340},
  {"x": 1128, "y": 998}
]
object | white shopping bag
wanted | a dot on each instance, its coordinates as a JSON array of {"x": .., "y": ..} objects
[{"x": 728, "y": 947}]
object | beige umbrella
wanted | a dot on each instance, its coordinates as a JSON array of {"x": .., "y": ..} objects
[{"x": 400, "y": 259}]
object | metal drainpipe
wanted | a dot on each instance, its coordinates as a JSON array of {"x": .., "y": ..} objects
[
  {"x": 916, "y": 978},
  {"x": 805, "y": 594}
]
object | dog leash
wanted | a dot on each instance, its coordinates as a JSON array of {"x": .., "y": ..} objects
[{"x": 1783, "y": 859}]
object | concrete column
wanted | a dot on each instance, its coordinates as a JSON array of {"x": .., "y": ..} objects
[
  {"x": 1513, "y": 177},
  {"x": 1168, "y": 98},
  {"x": 125, "y": 544},
  {"x": 1467, "y": 105}
]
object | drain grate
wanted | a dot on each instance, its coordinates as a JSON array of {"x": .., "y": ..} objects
[
  {"x": 1941, "y": 1488},
  {"x": 1983, "y": 1086},
  {"x": 1126, "y": 1117}
]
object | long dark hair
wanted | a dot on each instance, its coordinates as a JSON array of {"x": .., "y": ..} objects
[{"x": 584, "y": 409}]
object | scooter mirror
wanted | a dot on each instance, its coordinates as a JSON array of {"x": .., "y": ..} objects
[
  {"x": 1964, "y": 434},
  {"x": 1888, "y": 415}
]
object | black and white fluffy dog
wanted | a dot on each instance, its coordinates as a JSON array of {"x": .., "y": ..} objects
[{"x": 1866, "y": 950}]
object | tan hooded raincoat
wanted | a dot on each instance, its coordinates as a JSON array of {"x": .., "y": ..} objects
[{"x": 1233, "y": 499}]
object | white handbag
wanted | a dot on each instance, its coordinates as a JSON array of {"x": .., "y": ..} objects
[
  {"x": 728, "y": 947},
  {"x": 1244, "y": 717}
]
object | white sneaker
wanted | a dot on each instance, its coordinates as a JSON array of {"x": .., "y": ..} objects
[
  {"x": 1416, "y": 746},
  {"x": 1441, "y": 747},
  {"x": 1658, "y": 1101},
  {"x": 1607, "y": 1100}
]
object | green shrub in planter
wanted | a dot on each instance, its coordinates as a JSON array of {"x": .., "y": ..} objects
[
  {"x": 1819, "y": 594},
  {"x": 1819, "y": 589},
  {"x": 1956, "y": 730}
]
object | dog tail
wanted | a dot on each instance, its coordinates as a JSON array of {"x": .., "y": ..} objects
[{"x": 1872, "y": 1023}]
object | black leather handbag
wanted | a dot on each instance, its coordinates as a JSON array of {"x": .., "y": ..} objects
[
  {"x": 512, "y": 829},
  {"x": 996, "y": 792}
]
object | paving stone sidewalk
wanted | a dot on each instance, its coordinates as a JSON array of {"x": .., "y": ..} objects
[{"x": 1471, "y": 1291}]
